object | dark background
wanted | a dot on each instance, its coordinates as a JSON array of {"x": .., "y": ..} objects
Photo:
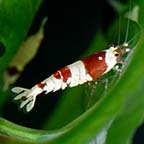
[{"x": 70, "y": 28}]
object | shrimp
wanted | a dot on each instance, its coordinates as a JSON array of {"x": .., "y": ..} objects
[{"x": 88, "y": 69}]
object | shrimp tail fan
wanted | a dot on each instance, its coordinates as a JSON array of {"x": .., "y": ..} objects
[{"x": 25, "y": 96}]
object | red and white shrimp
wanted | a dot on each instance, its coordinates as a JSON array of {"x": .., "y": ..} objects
[{"x": 82, "y": 71}]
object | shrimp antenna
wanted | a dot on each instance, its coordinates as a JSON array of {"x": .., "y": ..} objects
[
  {"x": 128, "y": 23},
  {"x": 119, "y": 28}
]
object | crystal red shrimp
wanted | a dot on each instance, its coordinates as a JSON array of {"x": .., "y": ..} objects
[{"x": 80, "y": 72}]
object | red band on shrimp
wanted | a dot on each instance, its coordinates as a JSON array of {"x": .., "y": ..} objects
[
  {"x": 41, "y": 85},
  {"x": 95, "y": 64},
  {"x": 66, "y": 73},
  {"x": 57, "y": 75}
]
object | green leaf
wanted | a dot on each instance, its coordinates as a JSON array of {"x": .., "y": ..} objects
[{"x": 16, "y": 18}]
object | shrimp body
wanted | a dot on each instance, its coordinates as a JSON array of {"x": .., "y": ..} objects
[{"x": 80, "y": 72}]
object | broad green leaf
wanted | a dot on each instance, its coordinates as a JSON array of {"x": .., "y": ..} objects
[{"x": 16, "y": 18}]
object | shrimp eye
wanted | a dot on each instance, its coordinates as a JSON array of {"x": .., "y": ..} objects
[{"x": 117, "y": 54}]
